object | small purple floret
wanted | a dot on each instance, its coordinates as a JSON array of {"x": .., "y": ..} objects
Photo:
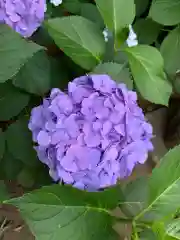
[
  {"x": 92, "y": 135},
  {"x": 24, "y": 16}
]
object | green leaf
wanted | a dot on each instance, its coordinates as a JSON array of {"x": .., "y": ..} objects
[
  {"x": 141, "y": 6},
  {"x": 117, "y": 71},
  {"x": 72, "y": 6},
  {"x": 12, "y": 101},
  {"x": 59, "y": 73},
  {"x": 170, "y": 50},
  {"x": 136, "y": 196},
  {"x": 42, "y": 37},
  {"x": 90, "y": 11},
  {"x": 3, "y": 192},
  {"x": 159, "y": 230},
  {"x": 68, "y": 213},
  {"x": 2, "y": 144},
  {"x": 147, "y": 30},
  {"x": 158, "y": 233},
  {"x": 109, "y": 52},
  {"x": 164, "y": 188},
  {"x": 79, "y": 38},
  {"x": 35, "y": 75},
  {"x": 19, "y": 142},
  {"x": 26, "y": 177},
  {"x": 147, "y": 234},
  {"x": 117, "y": 14},
  {"x": 120, "y": 57},
  {"x": 53, "y": 11},
  {"x": 14, "y": 52},
  {"x": 167, "y": 237},
  {"x": 9, "y": 167},
  {"x": 173, "y": 229},
  {"x": 146, "y": 65},
  {"x": 165, "y": 12},
  {"x": 41, "y": 176}
]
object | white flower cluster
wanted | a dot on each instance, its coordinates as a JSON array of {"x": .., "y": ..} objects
[
  {"x": 106, "y": 34},
  {"x": 56, "y": 2},
  {"x": 131, "y": 40}
]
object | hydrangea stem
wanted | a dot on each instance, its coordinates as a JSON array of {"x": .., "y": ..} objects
[{"x": 135, "y": 233}]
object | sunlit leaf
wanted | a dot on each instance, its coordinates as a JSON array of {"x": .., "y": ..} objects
[{"x": 79, "y": 38}]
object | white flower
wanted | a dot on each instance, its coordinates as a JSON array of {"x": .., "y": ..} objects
[
  {"x": 105, "y": 33},
  {"x": 56, "y": 2},
  {"x": 132, "y": 38}
]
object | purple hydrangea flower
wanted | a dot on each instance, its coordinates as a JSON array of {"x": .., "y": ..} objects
[
  {"x": 92, "y": 135},
  {"x": 24, "y": 16}
]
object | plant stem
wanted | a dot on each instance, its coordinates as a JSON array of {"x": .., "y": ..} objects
[
  {"x": 135, "y": 233},
  {"x": 146, "y": 225}
]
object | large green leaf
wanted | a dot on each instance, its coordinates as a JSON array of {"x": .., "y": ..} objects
[
  {"x": 117, "y": 71},
  {"x": 141, "y": 6},
  {"x": 90, "y": 11},
  {"x": 12, "y": 101},
  {"x": 165, "y": 12},
  {"x": 120, "y": 57},
  {"x": 158, "y": 233},
  {"x": 79, "y": 38},
  {"x": 67, "y": 213},
  {"x": 147, "y": 30},
  {"x": 170, "y": 50},
  {"x": 173, "y": 229},
  {"x": 146, "y": 65},
  {"x": 35, "y": 75},
  {"x": 136, "y": 196},
  {"x": 147, "y": 234},
  {"x": 14, "y": 52},
  {"x": 72, "y": 6},
  {"x": 164, "y": 188},
  {"x": 19, "y": 142},
  {"x": 159, "y": 230},
  {"x": 117, "y": 14}
]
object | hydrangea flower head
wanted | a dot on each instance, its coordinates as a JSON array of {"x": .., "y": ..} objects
[
  {"x": 24, "y": 16},
  {"x": 93, "y": 134}
]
